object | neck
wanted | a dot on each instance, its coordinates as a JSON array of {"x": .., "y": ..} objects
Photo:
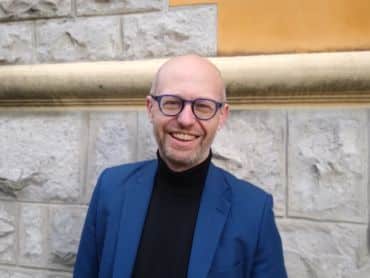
[
  {"x": 181, "y": 167},
  {"x": 184, "y": 180}
]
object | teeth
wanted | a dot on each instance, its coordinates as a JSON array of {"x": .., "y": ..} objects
[{"x": 183, "y": 136}]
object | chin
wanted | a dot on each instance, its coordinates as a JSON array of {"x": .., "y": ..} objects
[{"x": 183, "y": 159}]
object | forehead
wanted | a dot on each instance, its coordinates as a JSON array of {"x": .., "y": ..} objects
[{"x": 190, "y": 78}]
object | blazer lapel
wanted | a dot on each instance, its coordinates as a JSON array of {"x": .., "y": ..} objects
[
  {"x": 137, "y": 197},
  {"x": 213, "y": 212}
]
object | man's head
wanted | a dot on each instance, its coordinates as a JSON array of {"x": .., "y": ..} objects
[{"x": 184, "y": 140}]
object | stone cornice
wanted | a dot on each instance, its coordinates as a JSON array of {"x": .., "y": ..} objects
[{"x": 320, "y": 78}]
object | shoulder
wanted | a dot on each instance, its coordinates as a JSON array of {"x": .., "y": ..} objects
[
  {"x": 251, "y": 207},
  {"x": 125, "y": 170},
  {"x": 247, "y": 200},
  {"x": 114, "y": 178}
]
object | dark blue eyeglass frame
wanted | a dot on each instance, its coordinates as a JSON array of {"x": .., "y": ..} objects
[{"x": 217, "y": 105}]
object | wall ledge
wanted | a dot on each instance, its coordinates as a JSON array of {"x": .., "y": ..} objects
[{"x": 314, "y": 78}]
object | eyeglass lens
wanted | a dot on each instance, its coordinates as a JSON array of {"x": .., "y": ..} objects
[{"x": 202, "y": 108}]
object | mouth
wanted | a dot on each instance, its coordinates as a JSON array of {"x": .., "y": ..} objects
[{"x": 185, "y": 137}]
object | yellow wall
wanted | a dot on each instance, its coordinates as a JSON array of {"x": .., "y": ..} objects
[{"x": 271, "y": 26}]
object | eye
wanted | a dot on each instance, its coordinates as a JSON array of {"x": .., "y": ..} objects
[
  {"x": 171, "y": 103},
  {"x": 204, "y": 106}
]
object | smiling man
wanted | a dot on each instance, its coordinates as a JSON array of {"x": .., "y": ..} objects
[
  {"x": 179, "y": 215},
  {"x": 184, "y": 133}
]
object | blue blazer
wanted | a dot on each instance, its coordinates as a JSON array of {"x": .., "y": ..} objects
[{"x": 235, "y": 233}]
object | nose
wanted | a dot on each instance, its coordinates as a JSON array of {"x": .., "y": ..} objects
[{"x": 186, "y": 116}]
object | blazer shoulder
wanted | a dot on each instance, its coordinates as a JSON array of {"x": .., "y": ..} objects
[
  {"x": 249, "y": 206},
  {"x": 116, "y": 176},
  {"x": 124, "y": 170}
]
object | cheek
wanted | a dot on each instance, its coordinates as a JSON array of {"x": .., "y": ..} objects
[
  {"x": 210, "y": 128},
  {"x": 160, "y": 124}
]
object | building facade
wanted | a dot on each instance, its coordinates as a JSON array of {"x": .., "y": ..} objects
[{"x": 298, "y": 78}]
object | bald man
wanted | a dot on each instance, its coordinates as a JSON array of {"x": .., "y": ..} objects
[{"x": 179, "y": 215}]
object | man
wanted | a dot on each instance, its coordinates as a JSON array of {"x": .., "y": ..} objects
[{"x": 179, "y": 215}]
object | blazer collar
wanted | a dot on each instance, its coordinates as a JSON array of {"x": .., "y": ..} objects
[
  {"x": 213, "y": 211},
  {"x": 212, "y": 215},
  {"x": 136, "y": 201}
]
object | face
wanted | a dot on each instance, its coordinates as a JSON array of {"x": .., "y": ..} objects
[{"x": 183, "y": 140}]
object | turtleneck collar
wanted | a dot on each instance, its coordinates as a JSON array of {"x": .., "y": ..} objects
[{"x": 185, "y": 181}]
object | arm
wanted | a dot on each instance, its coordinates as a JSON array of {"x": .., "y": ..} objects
[
  {"x": 87, "y": 262},
  {"x": 268, "y": 260}
]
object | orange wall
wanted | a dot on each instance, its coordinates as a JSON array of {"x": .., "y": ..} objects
[{"x": 270, "y": 26}]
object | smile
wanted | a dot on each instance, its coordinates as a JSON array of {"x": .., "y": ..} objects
[{"x": 183, "y": 136}]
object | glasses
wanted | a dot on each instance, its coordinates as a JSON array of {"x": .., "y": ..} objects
[{"x": 172, "y": 105}]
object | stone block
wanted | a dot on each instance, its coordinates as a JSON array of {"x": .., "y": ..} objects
[
  {"x": 42, "y": 153},
  {"x": 9, "y": 273},
  {"x": 147, "y": 145},
  {"x": 252, "y": 147},
  {"x": 20, "y": 9},
  {"x": 328, "y": 164},
  {"x": 179, "y": 31},
  {"x": 64, "y": 235},
  {"x": 91, "y": 7},
  {"x": 8, "y": 231},
  {"x": 16, "y": 43},
  {"x": 112, "y": 141},
  {"x": 80, "y": 39},
  {"x": 33, "y": 221},
  {"x": 55, "y": 275},
  {"x": 363, "y": 272},
  {"x": 321, "y": 249}
]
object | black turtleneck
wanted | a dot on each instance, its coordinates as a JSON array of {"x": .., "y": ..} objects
[{"x": 167, "y": 236}]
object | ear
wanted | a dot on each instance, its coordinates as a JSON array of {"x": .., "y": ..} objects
[
  {"x": 149, "y": 107},
  {"x": 224, "y": 114}
]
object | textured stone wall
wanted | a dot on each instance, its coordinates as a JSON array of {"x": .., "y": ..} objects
[
  {"x": 314, "y": 162},
  {"x": 39, "y": 31}
]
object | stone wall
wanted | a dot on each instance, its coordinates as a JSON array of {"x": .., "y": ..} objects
[
  {"x": 314, "y": 161},
  {"x": 40, "y": 31}
]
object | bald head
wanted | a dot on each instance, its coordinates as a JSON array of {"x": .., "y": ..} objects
[
  {"x": 190, "y": 67},
  {"x": 189, "y": 110}
]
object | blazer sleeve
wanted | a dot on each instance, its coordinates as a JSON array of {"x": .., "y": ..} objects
[
  {"x": 269, "y": 260},
  {"x": 87, "y": 261}
]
